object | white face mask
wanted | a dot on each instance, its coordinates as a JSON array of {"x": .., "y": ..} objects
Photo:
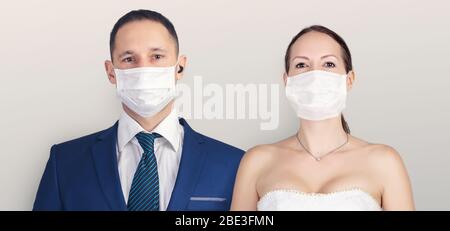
[
  {"x": 317, "y": 95},
  {"x": 146, "y": 90}
]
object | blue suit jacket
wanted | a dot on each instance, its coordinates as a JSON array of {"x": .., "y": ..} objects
[{"x": 82, "y": 174}]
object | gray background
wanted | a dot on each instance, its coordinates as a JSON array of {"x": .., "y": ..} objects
[{"x": 53, "y": 86}]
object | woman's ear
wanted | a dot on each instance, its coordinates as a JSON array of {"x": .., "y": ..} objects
[
  {"x": 285, "y": 78},
  {"x": 109, "y": 68},
  {"x": 350, "y": 80},
  {"x": 181, "y": 67}
]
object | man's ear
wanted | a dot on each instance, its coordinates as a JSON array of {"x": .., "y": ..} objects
[
  {"x": 350, "y": 80},
  {"x": 109, "y": 68},
  {"x": 285, "y": 78},
  {"x": 181, "y": 67}
]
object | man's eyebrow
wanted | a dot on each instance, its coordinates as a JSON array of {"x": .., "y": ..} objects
[
  {"x": 126, "y": 53},
  {"x": 152, "y": 49},
  {"x": 157, "y": 49}
]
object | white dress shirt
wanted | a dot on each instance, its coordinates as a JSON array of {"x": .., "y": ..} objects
[{"x": 167, "y": 150}]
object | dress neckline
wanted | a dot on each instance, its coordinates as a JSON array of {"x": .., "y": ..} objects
[{"x": 320, "y": 195}]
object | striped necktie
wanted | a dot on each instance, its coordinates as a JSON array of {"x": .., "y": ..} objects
[{"x": 144, "y": 192}]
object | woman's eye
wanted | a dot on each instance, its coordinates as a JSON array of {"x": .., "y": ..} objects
[
  {"x": 300, "y": 65},
  {"x": 127, "y": 60},
  {"x": 330, "y": 65}
]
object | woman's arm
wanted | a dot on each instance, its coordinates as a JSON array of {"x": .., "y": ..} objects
[
  {"x": 397, "y": 192},
  {"x": 245, "y": 195}
]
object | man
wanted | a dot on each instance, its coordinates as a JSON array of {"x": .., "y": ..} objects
[{"x": 150, "y": 159}]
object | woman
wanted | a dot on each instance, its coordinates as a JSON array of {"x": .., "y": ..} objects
[{"x": 322, "y": 166}]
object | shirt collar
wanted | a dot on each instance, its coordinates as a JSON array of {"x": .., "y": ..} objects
[{"x": 169, "y": 128}]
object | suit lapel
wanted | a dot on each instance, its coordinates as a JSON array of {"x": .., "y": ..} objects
[
  {"x": 105, "y": 161},
  {"x": 191, "y": 163}
]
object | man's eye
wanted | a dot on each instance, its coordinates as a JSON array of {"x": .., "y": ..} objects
[
  {"x": 330, "y": 65},
  {"x": 128, "y": 60},
  {"x": 300, "y": 65},
  {"x": 157, "y": 56}
]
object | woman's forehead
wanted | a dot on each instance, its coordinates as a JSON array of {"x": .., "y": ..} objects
[{"x": 315, "y": 44}]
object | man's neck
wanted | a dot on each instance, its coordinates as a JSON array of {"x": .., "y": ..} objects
[{"x": 149, "y": 123}]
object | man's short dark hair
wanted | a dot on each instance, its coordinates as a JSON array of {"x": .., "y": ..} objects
[{"x": 137, "y": 15}]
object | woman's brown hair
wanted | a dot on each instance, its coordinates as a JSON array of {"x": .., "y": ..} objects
[{"x": 346, "y": 56}]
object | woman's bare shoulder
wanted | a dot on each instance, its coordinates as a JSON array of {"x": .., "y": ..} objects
[
  {"x": 382, "y": 156},
  {"x": 386, "y": 156},
  {"x": 262, "y": 152},
  {"x": 265, "y": 153},
  {"x": 379, "y": 150}
]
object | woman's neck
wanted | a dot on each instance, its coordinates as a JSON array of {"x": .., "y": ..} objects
[{"x": 321, "y": 137}]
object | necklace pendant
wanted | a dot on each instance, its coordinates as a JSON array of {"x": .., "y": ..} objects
[{"x": 317, "y": 158}]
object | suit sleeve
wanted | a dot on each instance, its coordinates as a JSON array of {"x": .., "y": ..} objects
[{"x": 48, "y": 195}]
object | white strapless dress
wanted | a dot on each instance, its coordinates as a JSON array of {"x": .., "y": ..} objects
[{"x": 294, "y": 200}]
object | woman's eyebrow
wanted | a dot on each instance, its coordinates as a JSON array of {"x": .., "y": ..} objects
[
  {"x": 300, "y": 57},
  {"x": 326, "y": 56}
]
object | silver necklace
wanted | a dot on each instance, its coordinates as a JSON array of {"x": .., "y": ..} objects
[{"x": 320, "y": 157}]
